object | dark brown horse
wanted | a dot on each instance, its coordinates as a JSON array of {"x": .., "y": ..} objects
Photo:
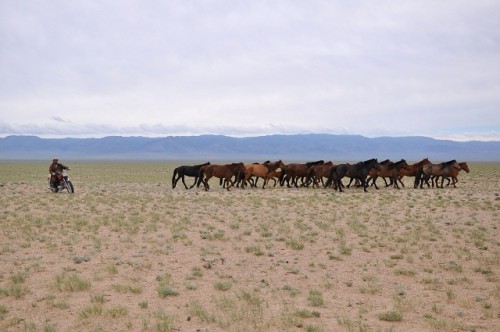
[
  {"x": 316, "y": 173},
  {"x": 412, "y": 170},
  {"x": 296, "y": 171},
  {"x": 225, "y": 172},
  {"x": 425, "y": 172},
  {"x": 453, "y": 174},
  {"x": 388, "y": 170}
]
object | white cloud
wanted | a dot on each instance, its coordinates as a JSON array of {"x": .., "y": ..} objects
[{"x": 239, "y": 67}]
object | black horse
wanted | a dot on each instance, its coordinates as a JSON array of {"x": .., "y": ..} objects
[
  {"x": 182, "y": 171},
  {"x": 357, "y": 171}
]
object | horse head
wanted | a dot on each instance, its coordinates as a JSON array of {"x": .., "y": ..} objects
[
  {"x": 373, "y": 163},
  {"x": 424, "y": 161},
  {"x": 464, "y": 166},
  {"x": 384, "y": 162}
]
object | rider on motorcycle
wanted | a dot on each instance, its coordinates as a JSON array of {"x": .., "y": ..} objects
[{"x": 54, "y": 169}]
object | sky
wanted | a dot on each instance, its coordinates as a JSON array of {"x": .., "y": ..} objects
[{"x": 85, "y": 68}]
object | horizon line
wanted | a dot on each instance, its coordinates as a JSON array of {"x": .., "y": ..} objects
[{"x": 462, "y": 140}]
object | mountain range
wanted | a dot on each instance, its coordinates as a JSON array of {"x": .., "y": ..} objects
[{"x": 289, "y": 148}]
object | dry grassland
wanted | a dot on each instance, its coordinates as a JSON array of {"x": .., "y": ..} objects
[{"x": 126, "y": 252}]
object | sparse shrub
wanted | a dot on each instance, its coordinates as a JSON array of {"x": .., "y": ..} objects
[
  {"x": 71, "y": 283},
  {"x": 166, "y": 291},
  {"x": 391, "y": 316},
  {"x": 223, "y": 286},
  {"x": 315, "y": 298}
]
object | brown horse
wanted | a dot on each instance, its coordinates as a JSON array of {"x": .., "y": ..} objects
[
  {"x": 374, "y": 173},
  {"x": 225, "y": 172},
  {"x": 412, "y": 170},
  {"x": 273, "y": 176},
  {"x": 453, "y": 174},
  {"x": 261, "y": 170},
  {"x": 425, "y": 172},
  {"x": 316, "y": 173},
  {"x": 388, "y": 170},
  {"x": 295, "y": 171}
]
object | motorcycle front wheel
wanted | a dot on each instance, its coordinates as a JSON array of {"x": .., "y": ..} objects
[{"x": 69, "y": 187}]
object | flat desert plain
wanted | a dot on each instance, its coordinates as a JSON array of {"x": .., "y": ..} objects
[{"x": 128, "y": 252}]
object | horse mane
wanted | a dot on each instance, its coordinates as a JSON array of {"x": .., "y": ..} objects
[
  {"x": 201, "y": 165},
  {"x": 312, "y": 163},
  {"x": 448, "y": 163},
  {"x": 384, "y": 162},
  {"x": 397, "y": 163},
  {"x": 369, "y": 161}
]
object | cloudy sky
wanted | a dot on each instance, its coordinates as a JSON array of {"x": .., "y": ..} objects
[{"x": 250, "y": 68}]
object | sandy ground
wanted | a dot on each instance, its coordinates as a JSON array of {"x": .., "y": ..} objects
[{"x": 128, "y": 252}]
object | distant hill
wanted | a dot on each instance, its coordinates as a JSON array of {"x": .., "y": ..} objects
[{"x": 273, "y": 147}]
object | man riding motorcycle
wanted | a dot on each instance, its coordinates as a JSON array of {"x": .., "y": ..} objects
[{"x": 54, "y": 169}]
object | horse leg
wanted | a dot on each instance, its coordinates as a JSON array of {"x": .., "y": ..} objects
[
  {"x": 205, "y": 182},
  {"x": 339, "y": 184},
  {"x": 427, "y": 178},
  {"x": 194, "y": 183},
  {"x": 174, "y": 182},
  {"x": 184, "y": 182},
  {"x": 437, "y": 181},
  {"x": 364, "y": 184},
  {"x": 200, "y": 180},
  {"x": 385, "y": 182},
  {"x": 400, "y": 178},
  {"x": 264, "y": 184},
  {"x": 231, "y": 183},
  {"x": 394, "y": 181},
  {"x": 374, "y": 181}
]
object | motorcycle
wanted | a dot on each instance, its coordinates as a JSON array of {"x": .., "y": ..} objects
[{"x": 62, "y": 182}]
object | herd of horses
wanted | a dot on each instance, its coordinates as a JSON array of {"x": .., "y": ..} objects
[{"x": 363, "y": 174}]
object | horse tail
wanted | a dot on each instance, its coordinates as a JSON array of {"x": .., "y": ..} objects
[
  {"x": 418, "y": 176},
  {"x": 174, "y": 175},
  {"x": 201, "y": 173},
  {"x": 329, "y": 180}
]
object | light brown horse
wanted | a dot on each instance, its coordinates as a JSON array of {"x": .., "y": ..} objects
[
  {"x": 412, "y": 170},
  {"x": 390, "y": 170},
  {"x": 453, "y": 174},
  {"x": 443, "y": 169},
  {"x": 225, "y": 172},
  {"x": 261, "y": 170}
]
